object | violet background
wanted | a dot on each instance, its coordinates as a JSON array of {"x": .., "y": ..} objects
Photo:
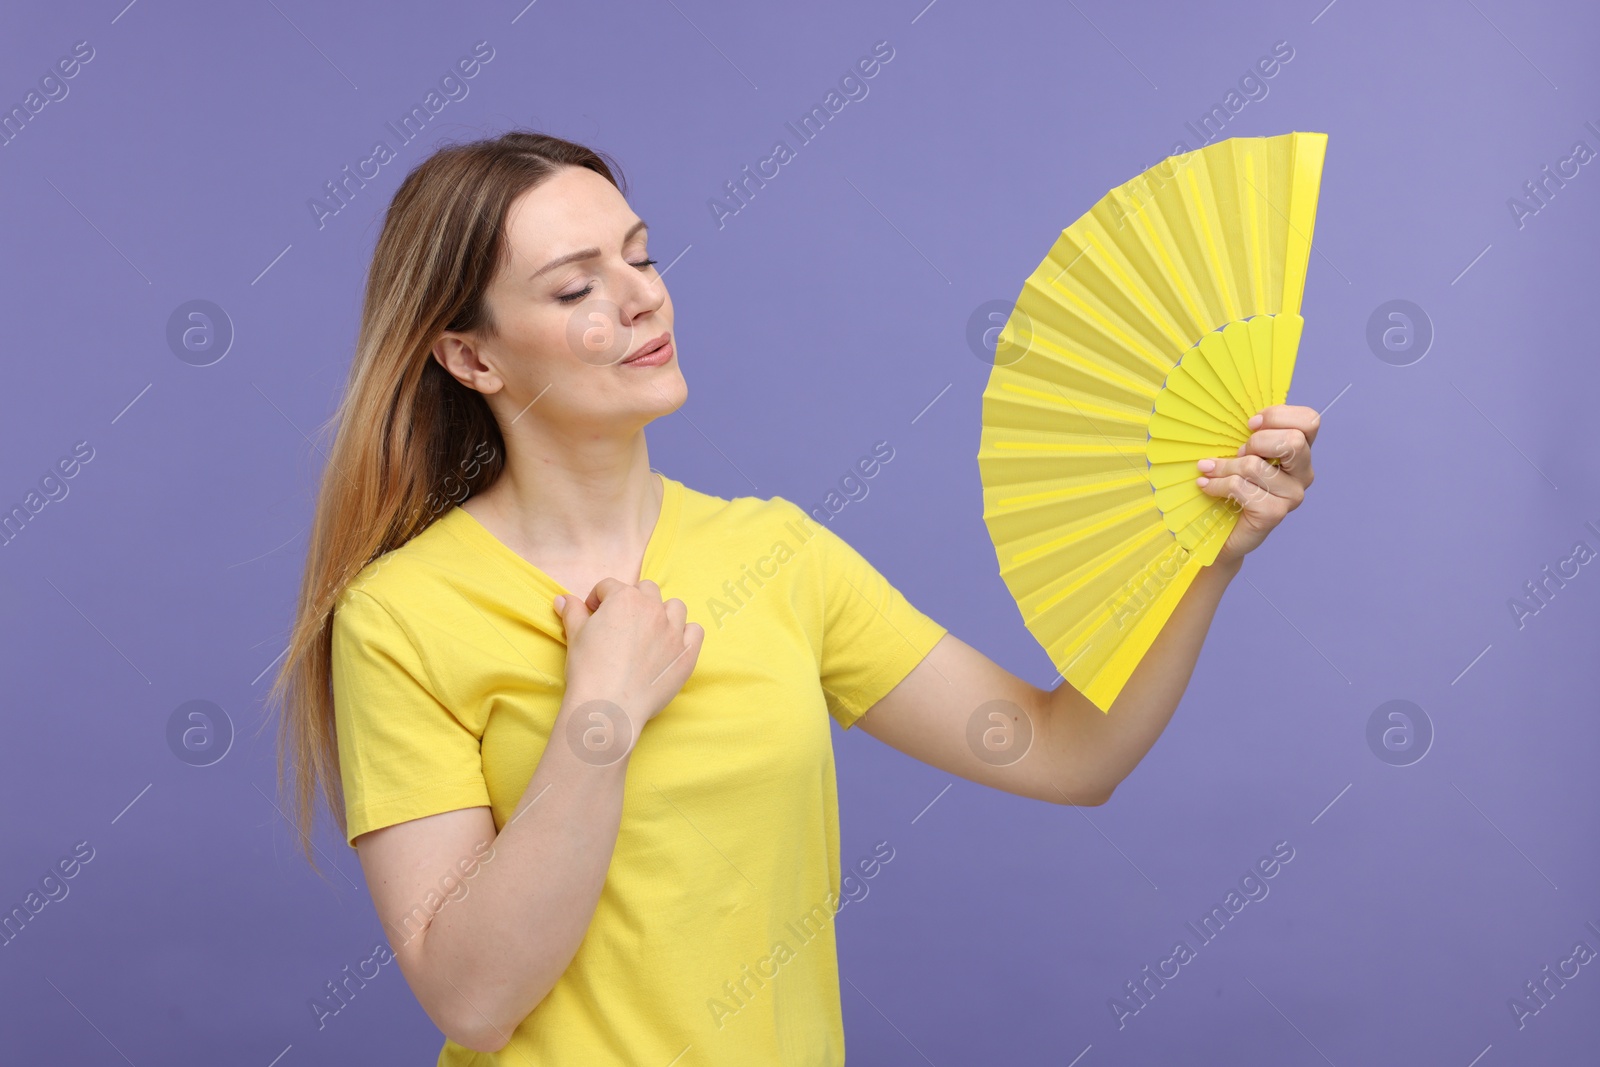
[{"x": 827, "y": 315}]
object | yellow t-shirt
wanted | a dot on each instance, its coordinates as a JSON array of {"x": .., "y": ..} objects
[{"x": 713, "y": 938}]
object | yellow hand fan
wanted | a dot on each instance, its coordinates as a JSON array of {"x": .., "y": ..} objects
[{"x": 1157, "y": 325}]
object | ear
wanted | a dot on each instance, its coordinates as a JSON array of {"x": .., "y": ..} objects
[{"x": 458, "y": 354}]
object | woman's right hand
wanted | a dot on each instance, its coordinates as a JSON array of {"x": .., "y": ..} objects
[{"x": 629, "y": 648}]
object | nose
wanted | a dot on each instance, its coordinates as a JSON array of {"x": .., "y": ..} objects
[{"x": 643, "y": 293}]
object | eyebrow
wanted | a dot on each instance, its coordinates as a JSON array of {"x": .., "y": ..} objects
[{"x": 586, "y": 253}]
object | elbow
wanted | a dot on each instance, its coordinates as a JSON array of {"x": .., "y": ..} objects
[
  {"x": 1098, "y": 799},
  {"x": 481, "y": 1015},
  {"x": 471, "y": 1020},
  {"x": 1087, "y": 795},
  {"x": 479, "y": 1034},
  {"x": 493, "y": 1042},
  {"x": 466, "y": 1016},
  {"x": 482, "y": 1023}
]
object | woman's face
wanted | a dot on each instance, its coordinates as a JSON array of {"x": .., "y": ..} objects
[{"x": 577, "y": 298}]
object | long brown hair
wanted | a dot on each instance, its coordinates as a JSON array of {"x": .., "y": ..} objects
[{"x": 405, "y": 431}]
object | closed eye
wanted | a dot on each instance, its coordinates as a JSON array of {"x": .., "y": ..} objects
[{"x": 572, "y": 298}]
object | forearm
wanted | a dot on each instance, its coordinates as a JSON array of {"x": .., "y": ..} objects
[
  {"x": 499, "y": 950},
  {"x": 1104, "y": 747}
]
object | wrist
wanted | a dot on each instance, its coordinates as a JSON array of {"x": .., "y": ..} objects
[
  {"x": 1224, "y": 569},
  {"x": 597, "y": 730}
]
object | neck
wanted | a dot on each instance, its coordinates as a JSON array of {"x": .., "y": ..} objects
[{"x": 564, "y": 498}]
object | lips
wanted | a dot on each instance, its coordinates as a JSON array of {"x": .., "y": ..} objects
[{"x": 649, "y": 347}]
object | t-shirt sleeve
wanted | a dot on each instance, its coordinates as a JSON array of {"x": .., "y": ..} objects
[
  {"x": 402, "y": 753},
  {"x": 872, "y": 636}
]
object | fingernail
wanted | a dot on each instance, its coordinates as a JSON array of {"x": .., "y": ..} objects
[
  {"x": 1240, "y": 452},
  {"x": 1255, "y": 420},
  {"x": 560, "y": 603},
  {"x": 1202, "y": 481},
  {"x": 1208, "y": 465}
]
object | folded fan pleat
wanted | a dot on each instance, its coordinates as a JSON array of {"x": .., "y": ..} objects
[{"x": 1156, "y": 326}]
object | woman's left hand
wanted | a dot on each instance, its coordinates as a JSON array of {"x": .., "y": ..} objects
[{"x": 1263, "y": 492}]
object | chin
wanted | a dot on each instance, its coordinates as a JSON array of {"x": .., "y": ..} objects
[
  {"x": 672, "y": 391},
  {"x": 660, "y": 391}
]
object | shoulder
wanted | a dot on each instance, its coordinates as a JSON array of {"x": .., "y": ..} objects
[
  {"x": 399, "y": 577},
  {"x": 755, "y": 521}
]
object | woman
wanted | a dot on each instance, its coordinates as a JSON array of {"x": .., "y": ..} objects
[{"x": 597, "y": 831}]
